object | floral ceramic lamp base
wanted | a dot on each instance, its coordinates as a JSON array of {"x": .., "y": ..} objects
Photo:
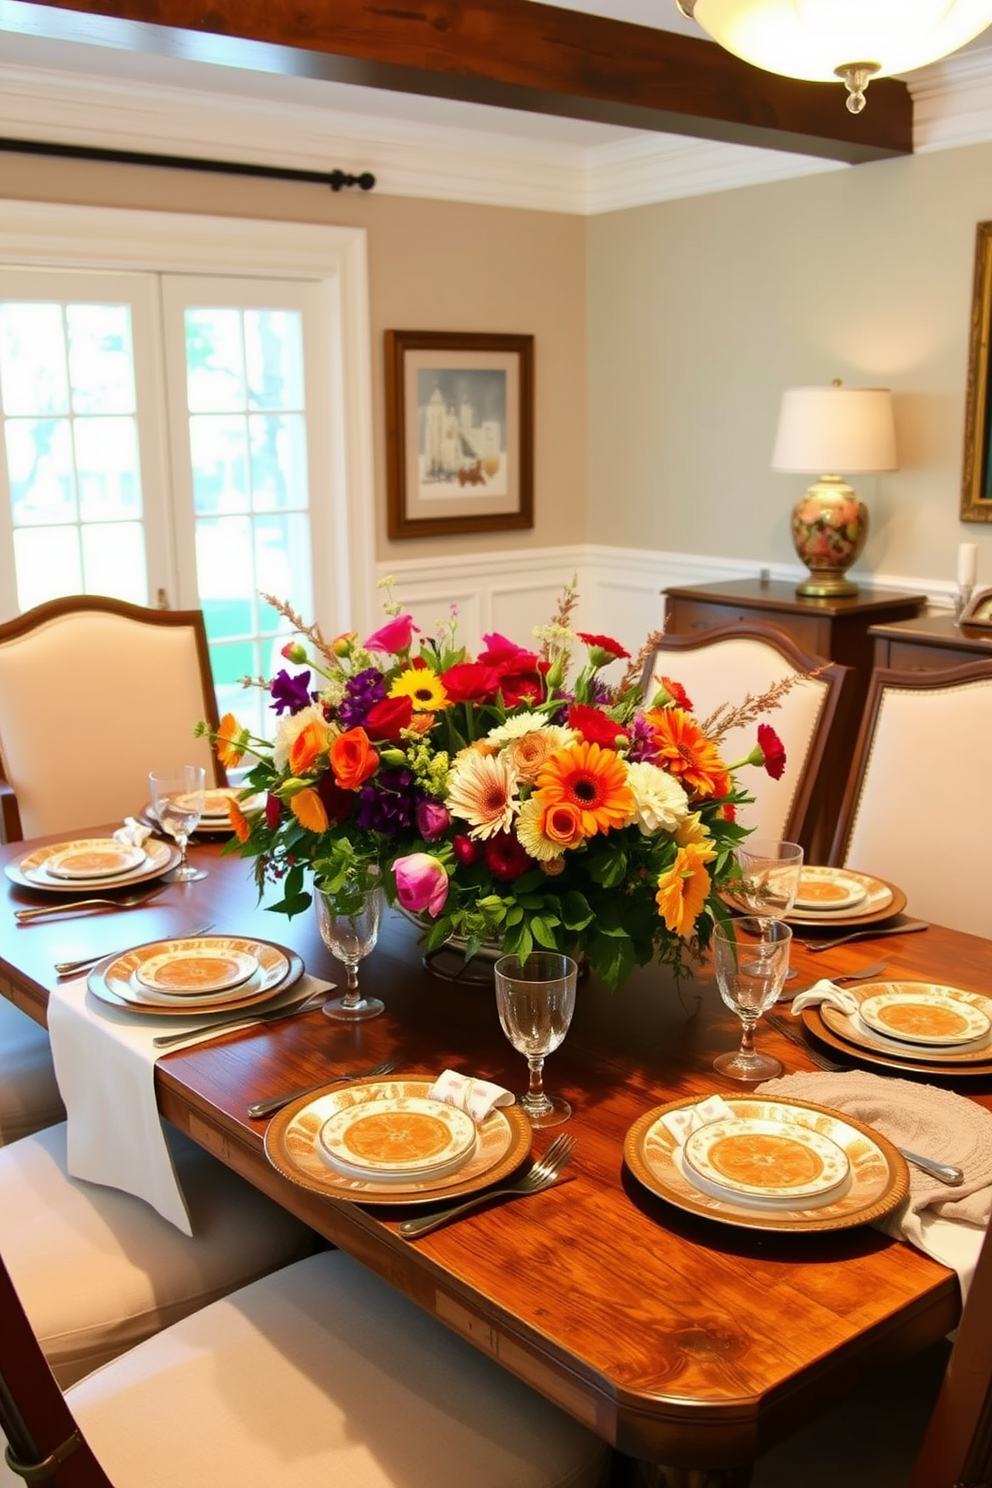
[{"x": 829, "y": 530}]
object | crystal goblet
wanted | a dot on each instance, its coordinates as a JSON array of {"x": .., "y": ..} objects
[
  {"x": 535, "y": 997},
  {"x": 770, "y": 877},
  {"x": 751, "y": 960},
  {"x": 348, "y": 917},
  {"x": 177, "y": 801}
]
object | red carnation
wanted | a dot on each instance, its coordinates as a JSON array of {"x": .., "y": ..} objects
[
  {"x": 614, "y": 650},
  {"x": 677, "y": 693},
  {"x": 772, "y": 749},
  {"x": 594, "y": 726}
]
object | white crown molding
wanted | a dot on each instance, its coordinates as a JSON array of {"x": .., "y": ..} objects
[{"x": 952, "y": 101}]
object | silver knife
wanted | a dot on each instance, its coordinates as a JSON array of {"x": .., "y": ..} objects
[
  {"x": 244, "y": 1018},
  {"x": 866, "y": 934}
]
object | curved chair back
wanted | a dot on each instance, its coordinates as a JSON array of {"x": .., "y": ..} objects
[
  {"x": 730, "y": 662},
  {"x": 918, "y": 806},
  {"x": 94, "y": 693}
]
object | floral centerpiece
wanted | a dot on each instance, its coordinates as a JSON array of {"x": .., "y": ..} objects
[{"x": 502, "y": 800}]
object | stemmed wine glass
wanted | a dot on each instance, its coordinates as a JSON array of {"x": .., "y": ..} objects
[
  {"x": 535, "y": 996},
  {"x": 751, "y": 959},
  {"x": 348, "y": 918},
  {"x": 770, "y": 877},
  {"x": 177, "y": 801}
]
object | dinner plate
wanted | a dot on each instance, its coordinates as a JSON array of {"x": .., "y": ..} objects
[
  {"x": 94, "y": 857},
  {"x": 765, "y": 1162},
  {"x": 930, "y": 1015},
  {"x": 215, "y": 820},
  {"x": 292, "y": 1146},
  {"x": 397, "y": 1139},
  {"x": 854, "y": 1038},
  {"x": 881, "y": 901},
  {"x": 196, "y": 969},
  {"x": 114, "y": 980},
  {"x": 830, "y": 890},
  {"x": 879, "y": 1178},
  {"x": 31, "y": 872}
]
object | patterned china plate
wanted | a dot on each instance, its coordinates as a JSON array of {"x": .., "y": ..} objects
[
  {"x": 397, "y": 1139},
  {"x": 879, "y": 1178},
  {"x": 924, "y": 1015},
  {"x": 94, "y": 857},
  {"x": 765, "y": 1162},
  {"x": 197, "y": 969},
  {"x": 32, "y": 872},
  {"x": 115, "y": 980},
  {"x": 853, "y": 1031},
  {"x": 880, "y": 901},
  {"x": 214, "y": 819},
  {"x": 292, "y": 1145},
  {"x": 829, "y": 890}
]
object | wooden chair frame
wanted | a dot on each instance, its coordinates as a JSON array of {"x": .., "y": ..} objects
[
  {"x": 800, "y": 821},
  {"x": 10, "y": 815}
]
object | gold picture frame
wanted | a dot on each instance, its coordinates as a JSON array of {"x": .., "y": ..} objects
[
  {"x": 976, "y": 483},
  {"x": 459, "y": 433}
]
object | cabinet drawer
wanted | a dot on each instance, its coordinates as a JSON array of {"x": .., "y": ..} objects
[
  {"x": 688, "y": 616},
  {"x": 916, "y": 656}
]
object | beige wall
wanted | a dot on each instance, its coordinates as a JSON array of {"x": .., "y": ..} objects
[
  {"x": 701, "y": 311},
  {"x": 432, "y": 266}
]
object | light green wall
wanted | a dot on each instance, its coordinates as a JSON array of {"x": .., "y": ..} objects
[{"x": 701, "y": 311}]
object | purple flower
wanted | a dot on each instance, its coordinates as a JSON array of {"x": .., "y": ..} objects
[
  {"x": 290, "y": 691},
  {"x": 388, "y": 804},
  {"x": 361, "y": 693},
  {"x": 433, "y": 820},
  {"x": 643, "y": 749}
]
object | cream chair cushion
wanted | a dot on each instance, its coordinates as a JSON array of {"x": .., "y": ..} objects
[
  {"x": 90, "y": 702},
  {"x": 98, "y": 1270},
  {"x": 29, "y": 1094},
  {"x": 726, "y": 671},
  {"x": 321, "y": 1376},
  {"x": 923, "y": 816}
]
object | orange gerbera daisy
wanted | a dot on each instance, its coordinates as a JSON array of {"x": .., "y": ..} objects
[
  {"x": 682, "y": 889},
  {"x": 239, "y": 822},
  {"x": 686, "y": 752},
  {"x": 309, "y": 810},
  {"x": 593, "y": 780},
  {"x": 232, "y": 740}
]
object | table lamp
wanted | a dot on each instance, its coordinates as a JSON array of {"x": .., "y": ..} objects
[{"x": 825, "y": 429}]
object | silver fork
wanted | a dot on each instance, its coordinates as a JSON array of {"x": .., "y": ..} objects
[
  {"x": 127, "y": 901},
  {"x": 545, "y": 1171},
  {"x": 86, "y": 963},
  {"x": 845, "y": 976},
  {"x": 276, "y": 1102}
]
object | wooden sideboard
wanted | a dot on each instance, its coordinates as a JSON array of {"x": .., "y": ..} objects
[
  {"x": 929, "y": 643},
  {"x": 841, "y": 630}
]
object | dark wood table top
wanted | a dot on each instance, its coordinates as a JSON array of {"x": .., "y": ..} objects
[{"x": 680, "y": 1340}]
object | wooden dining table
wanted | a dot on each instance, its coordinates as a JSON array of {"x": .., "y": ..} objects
[{"x": 691, "y": 1345}]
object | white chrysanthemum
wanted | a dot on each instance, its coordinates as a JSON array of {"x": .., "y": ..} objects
[
  {"x": 660, "y": 803},
  {"x": 516, "y": 727},
  {"x": 482, "y": 791},
  {"x": 290, "y": 729}
]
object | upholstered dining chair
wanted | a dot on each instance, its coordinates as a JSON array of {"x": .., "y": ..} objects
[
  {"x": 917, "y": 811},
  {"x": 318, "y": 1374},
  {"x": 729, "y": 662},
  {"x": 94, "y": 693}
]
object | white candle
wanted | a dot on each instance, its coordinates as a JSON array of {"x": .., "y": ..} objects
[{"x": 967, "y": 563}]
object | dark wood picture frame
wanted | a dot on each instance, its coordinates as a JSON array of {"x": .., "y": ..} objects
[
  {"x": 976, "y": 481},
  {"x": 459, "y": 433}
]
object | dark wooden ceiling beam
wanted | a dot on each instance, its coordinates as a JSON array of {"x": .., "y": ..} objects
[{"x": 520, "y": 55}]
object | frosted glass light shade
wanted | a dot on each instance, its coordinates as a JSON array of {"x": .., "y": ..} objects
[
  {"x": 817, "y": 39},
  {"x": 835, "y": 430}
]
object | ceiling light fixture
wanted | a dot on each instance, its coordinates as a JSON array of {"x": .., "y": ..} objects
[{"x": 855, "y": 40}]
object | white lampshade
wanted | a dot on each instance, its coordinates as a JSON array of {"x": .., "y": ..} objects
[
  {"x": 819, "y": 39},
  {"x": 835, "y": 430}
]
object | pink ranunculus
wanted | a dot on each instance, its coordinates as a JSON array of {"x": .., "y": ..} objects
[
  {"x": 421, "y": 883},
  {"x": 433, "y": 820},
  {"x": 395, "y": 636}
]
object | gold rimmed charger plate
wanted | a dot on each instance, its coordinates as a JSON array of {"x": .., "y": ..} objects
[
  {"x": 113, "y": 980},
  {"x": 882, "y": 900},
  {"x": 855, "y": 1040},
  {"x": 292, "y": 1147},
  {"x": 30, "y": 872},
  {"x": 879, "y": 1176}
]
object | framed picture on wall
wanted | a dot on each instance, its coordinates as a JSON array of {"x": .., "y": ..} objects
[
  {"x": 976, "y": 480},
  {"x": 459, "y": 433}
]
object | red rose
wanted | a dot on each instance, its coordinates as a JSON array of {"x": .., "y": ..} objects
[
  {"x": 470, "y": 682},
  {"x": 387, "y": 718},
  {"x": 465, "y": 850}
]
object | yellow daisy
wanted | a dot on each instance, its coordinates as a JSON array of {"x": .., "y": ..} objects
[{"x": 426, "y": 692}]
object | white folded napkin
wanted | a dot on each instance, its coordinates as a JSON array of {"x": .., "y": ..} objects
[
  {"x": 133, "y": 832},
  {"x": 825, "y": 991},
  {"x": 690, "y": 1118},
  {"x": 947, "y": 1223},
  {"x": 477, "y": 1098},
  {"x": 105, "y": 1067}
]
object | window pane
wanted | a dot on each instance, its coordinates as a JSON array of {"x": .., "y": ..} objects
[
  {"x": 107, "y": 469},
  {"x": 32, "y": 359},
  {"x": 278, "y": 461},
  {"x": 40, "y": 466},
  {"x": 274, "y": 357},
  {"x": 225, "y": 572},
  {"x": 215, "y": 376},
  {"x": 114, "y": 561},
  {"x": 219, "y": 455},
  {"x": 100, "y": 358},
  {"x": 48, "y": 564},
  {"x": 282, "y": 560}
]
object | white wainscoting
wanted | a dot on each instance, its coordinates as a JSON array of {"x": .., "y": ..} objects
[{"x": 619, "y": 588}]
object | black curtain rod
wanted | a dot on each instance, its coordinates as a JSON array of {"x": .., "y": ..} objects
[{"x": 335, "y": 179}]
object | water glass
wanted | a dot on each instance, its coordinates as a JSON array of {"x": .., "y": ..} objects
[
  {"x": 348, "y": 918},
  {"x": 535, "y": 997},
  {"x": 177, "y": 801},
  {"x": 751, "y": 960}
]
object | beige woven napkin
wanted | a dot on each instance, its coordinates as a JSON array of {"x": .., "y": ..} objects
[{"x": 947, "y": 1223}]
